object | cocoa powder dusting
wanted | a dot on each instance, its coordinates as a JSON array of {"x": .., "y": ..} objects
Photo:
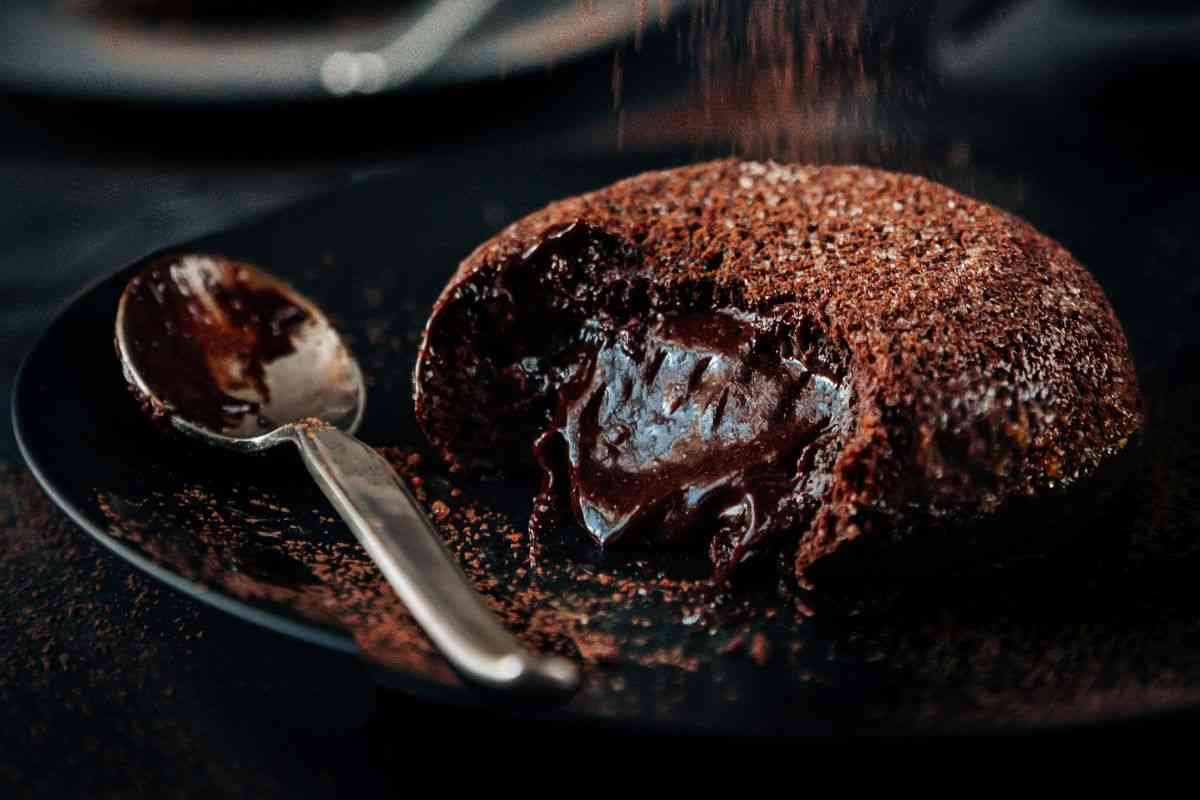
[
  {"x": 330, "y": 581},
  {"x": 642, "y": 634},
  {"x": 642, "y": 630},
  {"x": 795, "y": 81},
  {"x": 760, "y": 650},
  {"x": 98, "y": 661},
  {"x": 63, "y": 610}
]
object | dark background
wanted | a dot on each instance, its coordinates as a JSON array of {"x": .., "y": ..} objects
[{"x": 114, "y": 687}]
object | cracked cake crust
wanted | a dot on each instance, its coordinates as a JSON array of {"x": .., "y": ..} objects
[{"x": 985, "y": 362}]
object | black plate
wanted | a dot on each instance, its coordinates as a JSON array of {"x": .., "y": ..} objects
[{"x": 1103, "y": 623}]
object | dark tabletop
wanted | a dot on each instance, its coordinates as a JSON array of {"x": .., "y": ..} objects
[{"x": 114, "y": 686}]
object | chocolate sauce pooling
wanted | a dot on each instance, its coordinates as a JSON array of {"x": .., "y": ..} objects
[
  {"x": 202, "y": 333},
  {"x": 690, "y": 427}
]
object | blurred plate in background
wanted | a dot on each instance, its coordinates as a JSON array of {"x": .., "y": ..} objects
[
  {"x": 54, "y": 47},
  {"x": 1059, "y": 48}
]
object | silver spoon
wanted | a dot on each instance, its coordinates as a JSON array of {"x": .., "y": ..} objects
[{"x": 224, "y": 352}]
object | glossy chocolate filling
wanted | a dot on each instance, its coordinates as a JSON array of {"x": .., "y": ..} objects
[
  {"x": 691, "y": 427},
  {"x": 659, "y": 419}
]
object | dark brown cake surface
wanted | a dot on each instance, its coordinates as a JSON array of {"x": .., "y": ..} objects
[{"x": 974, "y": 359}]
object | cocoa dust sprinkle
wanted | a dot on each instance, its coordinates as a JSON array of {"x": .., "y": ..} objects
[
  {"x": 980, "y": 660},
  {"x": 760, "y": 650},
  {"x": 594, "y": 621},
  {"x": 102, "y": 648},
  {"x": 798, "y": 81}
]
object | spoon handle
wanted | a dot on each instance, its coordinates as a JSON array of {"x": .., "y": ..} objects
[{"x": 385, "y": 517}]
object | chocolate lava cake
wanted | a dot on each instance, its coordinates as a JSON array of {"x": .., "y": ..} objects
[{"x": 745, "y": 356}]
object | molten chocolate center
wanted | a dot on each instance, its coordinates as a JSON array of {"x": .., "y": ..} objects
[
  {"x": 659, "y": 419},
  {"x": 686, "y": 427}
]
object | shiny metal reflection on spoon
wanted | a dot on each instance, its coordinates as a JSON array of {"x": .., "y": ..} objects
[
  {"x": 183, "y": 312},
  {"x": 440, "y": 26}
]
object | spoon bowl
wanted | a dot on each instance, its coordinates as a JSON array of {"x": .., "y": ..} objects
[{"x": 229, "y": 353}]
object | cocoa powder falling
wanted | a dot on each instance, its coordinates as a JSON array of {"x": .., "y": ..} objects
[{"x": 793, "y": 80}]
